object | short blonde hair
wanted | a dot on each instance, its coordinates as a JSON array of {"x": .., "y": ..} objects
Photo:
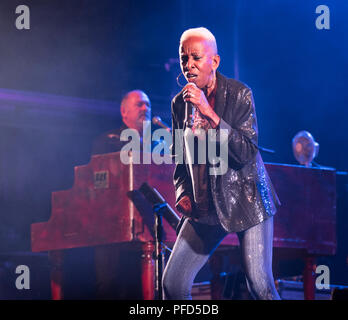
[{"x": 200, "y": 32}]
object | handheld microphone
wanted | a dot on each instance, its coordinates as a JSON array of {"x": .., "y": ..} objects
[
  {"x": 190, "y": 111},
  {"x": 189, "y": 114},
  {"x": 158, "y": 122}
]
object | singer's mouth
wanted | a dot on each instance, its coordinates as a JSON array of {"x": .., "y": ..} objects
[{"x": 191, "y": 76}]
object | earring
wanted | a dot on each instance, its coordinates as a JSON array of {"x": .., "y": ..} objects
[{"x": 178, "y": 82}]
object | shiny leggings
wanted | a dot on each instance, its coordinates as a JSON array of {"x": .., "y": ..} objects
[{"x": 195, "y": 244}]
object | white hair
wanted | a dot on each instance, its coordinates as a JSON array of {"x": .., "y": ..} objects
[{"x": 199, "y": 33}]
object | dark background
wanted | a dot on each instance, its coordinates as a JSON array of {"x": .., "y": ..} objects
[{"x": 95, "y": 51}]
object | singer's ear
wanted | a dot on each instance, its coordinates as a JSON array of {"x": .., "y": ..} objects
[{"x": 216, "y": 61}]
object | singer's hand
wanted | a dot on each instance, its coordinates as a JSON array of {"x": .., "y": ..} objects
[
  {"x": 197, "y": 97},
  {"x": 184, "y": 206},
  {"x": 191, "y": 93}
]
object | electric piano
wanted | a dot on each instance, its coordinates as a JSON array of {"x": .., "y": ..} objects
[{"x": 98, "y": 210}]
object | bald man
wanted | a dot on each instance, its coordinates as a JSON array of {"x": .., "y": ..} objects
[{"x": 135, "y": 108}]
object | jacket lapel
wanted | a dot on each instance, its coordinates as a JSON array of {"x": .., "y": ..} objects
[{"x": 221, "y": 94}]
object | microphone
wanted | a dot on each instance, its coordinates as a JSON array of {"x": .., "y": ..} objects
[
  {"x": 158, "y": 122},
  {"x": 190, "y": 110},
  {"x": 189, "y": 114}
]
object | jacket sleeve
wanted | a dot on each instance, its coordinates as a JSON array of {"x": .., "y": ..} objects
[
  {"x": 181, "y": 179},
  {"x": 241, "y": 129}
]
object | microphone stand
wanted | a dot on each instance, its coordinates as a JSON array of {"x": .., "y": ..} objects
[{"x": 159, "y": 256}]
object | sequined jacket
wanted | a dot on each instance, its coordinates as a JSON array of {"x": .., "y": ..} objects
[{"x": 243, "y": 196}]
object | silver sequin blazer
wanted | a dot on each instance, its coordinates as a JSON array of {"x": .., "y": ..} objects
[{"x": 244, "y": 196}]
